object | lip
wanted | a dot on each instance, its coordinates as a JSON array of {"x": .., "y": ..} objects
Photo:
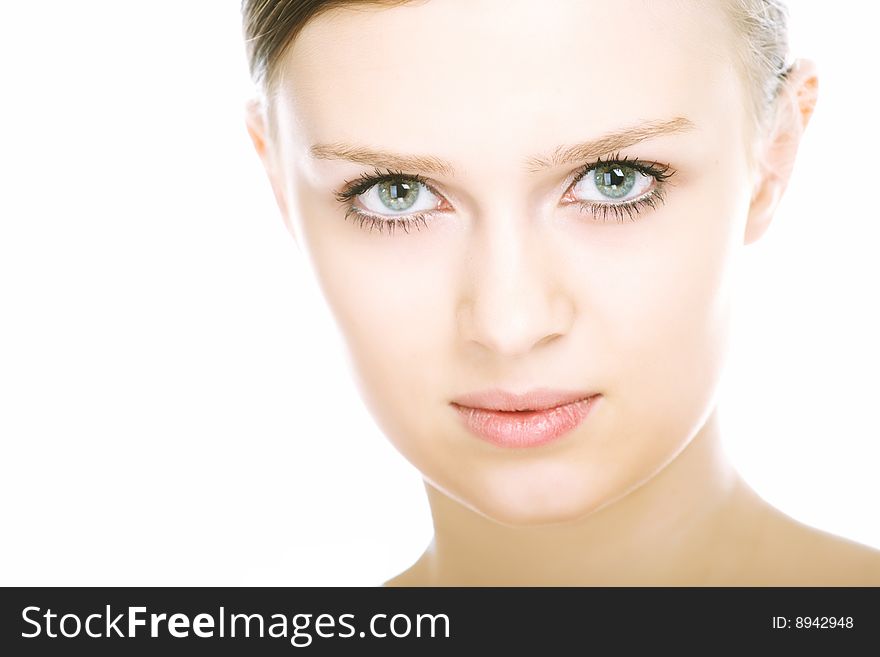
[{"x": 529, "y": 419}]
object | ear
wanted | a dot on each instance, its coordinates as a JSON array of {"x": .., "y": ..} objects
[
  {"x": 776, "y": 156},
  {"x": 257, "y": 127}
]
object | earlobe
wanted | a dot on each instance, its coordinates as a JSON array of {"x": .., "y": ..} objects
[
  {"x": 763, "y": 205},
  {"x": 797, "y": 100}
]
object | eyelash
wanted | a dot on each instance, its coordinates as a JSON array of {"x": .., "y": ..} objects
[
  {"x": 626, "y": 210},
  {"x": 365, "y": 181}
]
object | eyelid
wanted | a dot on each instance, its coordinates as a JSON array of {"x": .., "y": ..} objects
[
  {"x": 366, "y": 181},
  {"x": 660, "y": 172}
]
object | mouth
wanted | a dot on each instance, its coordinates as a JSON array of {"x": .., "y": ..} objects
[
  {"x": 539, "y": 399},
  {"x": 524, "y": 420}
]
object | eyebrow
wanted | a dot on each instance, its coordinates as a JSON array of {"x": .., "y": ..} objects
[
  {"x": 576, "y": 153},
  {"x": 614, "y": 141}
]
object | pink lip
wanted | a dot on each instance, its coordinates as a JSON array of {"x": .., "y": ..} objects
[{"x": 526, "y": 420}]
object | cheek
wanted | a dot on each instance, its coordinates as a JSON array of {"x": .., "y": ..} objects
[
  {"x": 392, "y": 309},
  {"x": 668, "y": 317}
]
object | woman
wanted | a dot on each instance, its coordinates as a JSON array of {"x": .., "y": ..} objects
[{"x": 526, "y": 218}]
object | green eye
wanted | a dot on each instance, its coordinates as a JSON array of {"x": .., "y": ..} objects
[
  {"x": 614, "y": 180},
  {"x": 398, "y": 195}
]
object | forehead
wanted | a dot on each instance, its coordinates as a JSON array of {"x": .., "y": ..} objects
[{"x": 505, "y": 77}]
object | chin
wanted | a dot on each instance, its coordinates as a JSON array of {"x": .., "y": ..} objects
[{"x": 520, "y": 503}]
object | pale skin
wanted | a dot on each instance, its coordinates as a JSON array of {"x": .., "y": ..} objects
[{"x": 510, "y": 285}]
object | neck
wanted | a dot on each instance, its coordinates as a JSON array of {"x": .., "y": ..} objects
[{"x": 670, "y": 529}]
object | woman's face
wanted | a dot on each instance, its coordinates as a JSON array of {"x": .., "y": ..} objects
[{"x": 509, "y": 282}]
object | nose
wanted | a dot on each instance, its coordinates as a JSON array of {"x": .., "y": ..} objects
[{"x": 513, "y": 299}]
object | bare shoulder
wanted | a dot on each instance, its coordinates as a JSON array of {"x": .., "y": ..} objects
[
  {"x": 400, "y": 580},
  {"x": 412, "y": 576},
  {"x": 791, "y": 553}
]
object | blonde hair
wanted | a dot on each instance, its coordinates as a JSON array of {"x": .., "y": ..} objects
[{"x": 763, "y": 54}]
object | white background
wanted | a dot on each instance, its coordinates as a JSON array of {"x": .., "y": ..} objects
[{"x": 170, "y": 380}]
